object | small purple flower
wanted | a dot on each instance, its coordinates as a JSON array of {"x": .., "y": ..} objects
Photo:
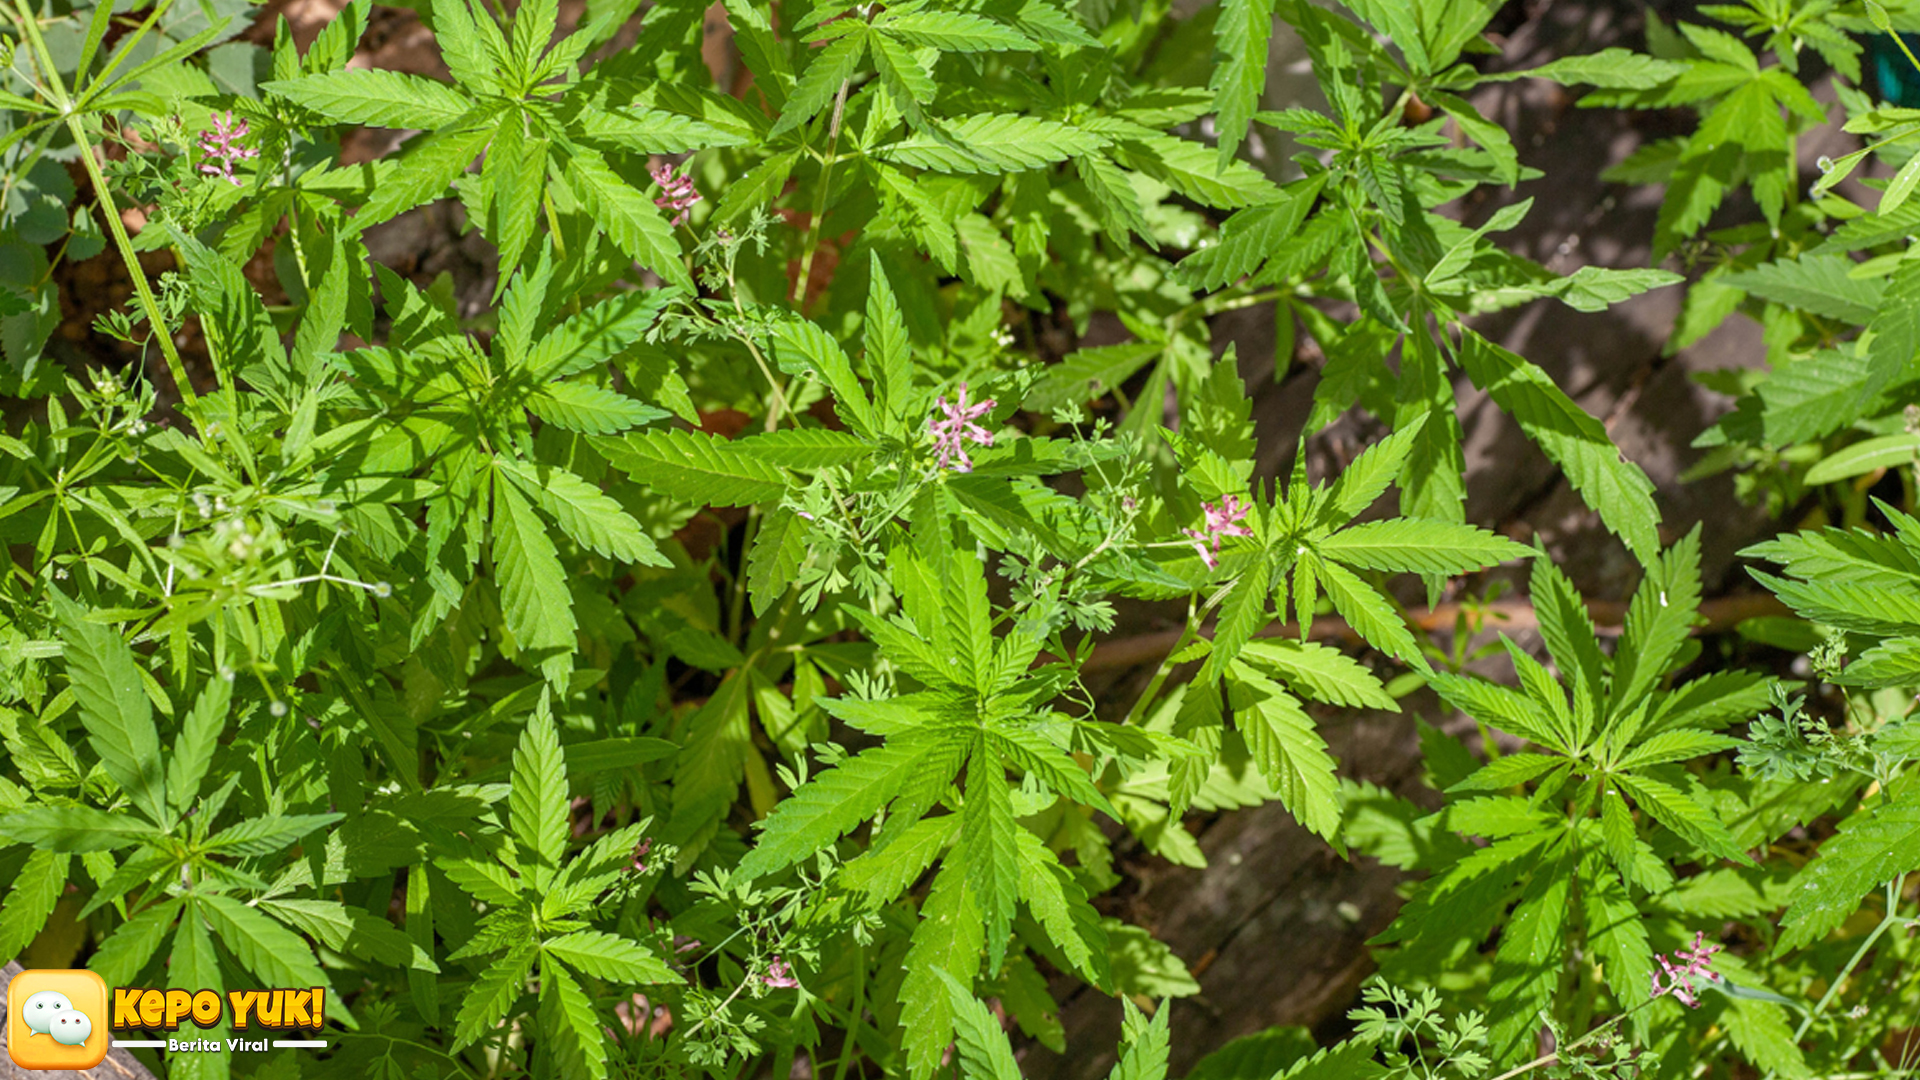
[
  {"x": 1223, "y": 519},
  {"x": 221, "y": 145},
  {"x": 779, "y": 975},
  {"x": 1694, "y": 964},
  {"x": 952, "y": 433},
  {"x": 676, "y": 192},
  {"x": 640, "y": 851}
]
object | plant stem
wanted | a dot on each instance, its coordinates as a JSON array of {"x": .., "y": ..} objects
[
  {"x": 1833, "y": 989},
  {"x": 820, "y": 199},
  {"x": 854, "y": 1012},
  {"x": 57, "y": 91},
  {"x": 1548, "y": 1059},
  {"x": 1166, "y": 667},
  {"x": 695, "y": 1030}
]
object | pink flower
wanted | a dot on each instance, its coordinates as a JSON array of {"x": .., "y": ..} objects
[
  {"x": 640, "y": 851},
  {"x": 676, "y": 192},
  {"x": 1223, "y": 519},
  {"x": 1694, "y": 963},
  {"x": 220, "y": 145},
  {"x": 779, "y": 975},
  {"x": 951, "y": 434}
]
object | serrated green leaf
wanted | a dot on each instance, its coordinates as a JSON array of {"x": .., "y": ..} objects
[
  {"x": 835, "y": 802},
  {"x": 607, "y": 956},
  {"x": 1322, "y": 673},
  {"x": 587, "y": 514},
  {"x": 1288, "y": 749},
  {"x": 492, "y": 994},
  {"x": 199, "y": 735},
  {"x": 106, "y": 684},
  {"x": 1196, "y": 172},
  {"x": 1616, "y": 489},
  {"x": 987, "y": 850},
  {"x": 375, "y": 97},
  {"x": 534, "y": 599},
  {"x": 629, "y": 219},
  {"x": 801, "y": 346},
  {"x": 1362, "y": 481},
  {"x": 992, "y": 142},
  {"x": 274, "y": 954},
  {"x": 1526, "y": 968},
  {"x": 590, "y": 409},
  {"x": 804, "y": 448},
  {"x": 953, "y": 31},
  {"x": 1659, "y": 619},
  {"x": 1814, "y": 282},
  {"x": 265, "y": 835},
  {"x": 1249, "y": 237},
  {"x": 427, "y": 168},
  {"x": 121, "y": 956},
  {"x": 73, "y": 828},
  {"x": 595, "y": 335},
  {"x": 829, "y": 68},
  {"x": 1614, "y": 69},
  {"x": 567, "y": 1014},
  {"x": 1875, "y": 845},
  {"x": 1680, "y": 812},
  {"x": 985, "y": 1053},
  {"x": 775, "y": 558},
  {"x": 1417, "y": 545},
  {"x": 694, "y": 466},
  {"x": 949, "y": 940},
  {"x": 42, "y": 878},
  {"x": 1369, "y": 613},
  {"x": 1240, "y": 36},
  {"x": 537, "y": 805}
]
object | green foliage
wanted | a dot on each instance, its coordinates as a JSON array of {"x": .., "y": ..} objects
[{"x": 668, "y": 657}]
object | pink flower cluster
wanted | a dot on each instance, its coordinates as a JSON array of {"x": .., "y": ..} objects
[
  {"x": 676, "y": 192},
  {"x": 640, "y": 853},
  {"x": 779, "y": 975},
  {"x": 1694, "y": 964},
  {"x": 221, "y": 145},
  {"x": 952, "y": 433},
  {"x": 1223, "y": 519}
]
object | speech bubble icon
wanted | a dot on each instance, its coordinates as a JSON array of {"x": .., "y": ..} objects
[
  {"x": 71, "y": 1028},
  {"x": 42, "y": 1009}
]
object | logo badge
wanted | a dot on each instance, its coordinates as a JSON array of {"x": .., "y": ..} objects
[{"x": 57, "y": 1020}]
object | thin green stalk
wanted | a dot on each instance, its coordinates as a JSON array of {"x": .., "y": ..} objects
[
  {"x": 1187, "y": 634},
  {"x": 57, "y": 91},
  {"x": 820, "y": 199},
  {"x": 853, "y": 1013},
  {"x": 1548, "y": 1059},
  {"x": 1833, "y": 989}
]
